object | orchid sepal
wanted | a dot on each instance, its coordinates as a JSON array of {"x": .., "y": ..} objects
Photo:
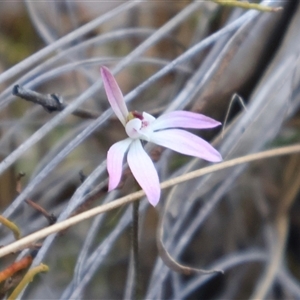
[
  {"x": 144, "y": 171},
  {"x": 114, "y": 95},
  {"x": 115, "y": 157}
]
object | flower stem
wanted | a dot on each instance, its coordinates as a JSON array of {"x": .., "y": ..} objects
[{"x": 135, "y": 249}]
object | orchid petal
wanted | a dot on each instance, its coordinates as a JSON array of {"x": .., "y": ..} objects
[
  {"x": 187, "y": 143},
  {"x": 133, "y": 127},
  {"x": 148, "y": 118},
  {"x": 115, "y": 157},
  {"x": 114, "y": 95},
  {"x": 184, "y": 119},
  {"x": 135, "y": 130},
  {"x": 144, "y": 171}
]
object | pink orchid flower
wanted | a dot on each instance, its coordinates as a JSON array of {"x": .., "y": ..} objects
[{"x": 161, "y": 131}]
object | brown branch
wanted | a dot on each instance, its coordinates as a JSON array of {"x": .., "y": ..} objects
[
  {"x": 50, "y": 102},
  {"x": 15, "y": 267},
  {"x": 50, "y": 217}
]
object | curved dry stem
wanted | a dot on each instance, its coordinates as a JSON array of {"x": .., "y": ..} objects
[{"x": 173, "y": 264}]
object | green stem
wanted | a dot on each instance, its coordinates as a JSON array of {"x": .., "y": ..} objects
[
  {"x": 27, "y": 278},
  {"x": 12, "y": 226},
  {"x": 135, "y": 249},
  {"x": 247, "y": 5}
]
